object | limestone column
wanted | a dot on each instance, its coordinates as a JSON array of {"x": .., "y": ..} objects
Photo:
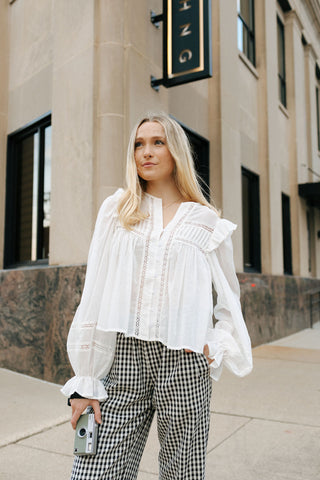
[
  {"x": 270, "y": 169},
  {"x": 312, "y": 160},
  {"x": 214, "y": 115},
  {"x": 298, "y": 152},
  {"x": 73, "y": 209},
  {"x": 310, "y": 57},
  {"x": 109, "y": 122},
  {"x": 4, "y": 57},
  {"x": 224, "y": 114}
]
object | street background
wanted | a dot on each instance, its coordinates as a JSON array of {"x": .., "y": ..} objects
[{"x": 265, "y": 426}]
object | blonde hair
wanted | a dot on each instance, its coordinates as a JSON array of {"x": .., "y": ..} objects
[{"x": 184, "y": 173}]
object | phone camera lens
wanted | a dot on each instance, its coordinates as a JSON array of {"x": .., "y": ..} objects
[{"x": 82, "y": 432}]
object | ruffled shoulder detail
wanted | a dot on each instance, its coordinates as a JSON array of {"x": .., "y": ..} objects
[{"x": 222, "y": 230}]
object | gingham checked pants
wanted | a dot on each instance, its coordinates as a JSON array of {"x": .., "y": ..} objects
[{"x": 146, "y": 377}]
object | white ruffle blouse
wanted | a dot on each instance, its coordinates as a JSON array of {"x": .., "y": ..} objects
[{"x": 155, "y": 284}]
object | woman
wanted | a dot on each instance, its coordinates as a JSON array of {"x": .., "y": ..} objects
[{"x": 146, "y": 312}]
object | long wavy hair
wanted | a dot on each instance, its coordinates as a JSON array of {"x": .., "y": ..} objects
[{"x": 184, "y": 173}]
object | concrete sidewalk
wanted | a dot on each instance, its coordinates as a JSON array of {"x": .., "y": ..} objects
[{"x": 265, "y": 426}]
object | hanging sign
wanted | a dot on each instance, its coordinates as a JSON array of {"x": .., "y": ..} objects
[{"x": 186, "y": 42}]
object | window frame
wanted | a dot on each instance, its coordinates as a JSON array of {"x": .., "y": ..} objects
[
  {"x": 282, "y": 83},
  {"x": 254, "y": 220},
  {"x": 14, "y": 142},
  {"x": 250, "y": 33}
]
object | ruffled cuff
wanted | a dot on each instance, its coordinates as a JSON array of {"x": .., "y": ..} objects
[
  {"x": 215, "y": 366},
  {"x": 87, "y": 387},
  {"x": 222, "y": 230},
  {"x": 223, "y": 349}
]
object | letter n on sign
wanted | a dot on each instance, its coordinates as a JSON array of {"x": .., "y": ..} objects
[{"x": 186, "y": 41}]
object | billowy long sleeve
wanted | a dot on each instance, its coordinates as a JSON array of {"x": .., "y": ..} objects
[
  {"x": 90, "y": 349},
  {"x": 229, "y": 343}
]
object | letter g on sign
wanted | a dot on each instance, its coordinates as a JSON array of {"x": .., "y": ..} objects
[{"x": 185, "y": 56}]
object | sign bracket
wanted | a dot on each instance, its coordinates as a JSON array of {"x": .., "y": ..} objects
[
  {"x": 155, "y": 83},
  {"x": 156, "y": 19}
]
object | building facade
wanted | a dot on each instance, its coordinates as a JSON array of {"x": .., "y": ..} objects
[{"x": 75, "y": 78}]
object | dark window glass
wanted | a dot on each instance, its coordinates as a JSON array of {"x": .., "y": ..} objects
[
  {"x": 251, "y": 221},
  {"x": 28, "y": 195},
  {"x": 309, "y": 241},
  {"x": 318, "y": 116},
  {"x": 246, "y": 41},
  {"x": 281, "y": 64},
  {"x": 200, "y": 150},
  {"x": 286, "y": 235}
]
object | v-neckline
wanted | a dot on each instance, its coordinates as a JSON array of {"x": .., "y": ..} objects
[
  {"x": 158, "y": 214},
  {"x": 172, "y": 219}
]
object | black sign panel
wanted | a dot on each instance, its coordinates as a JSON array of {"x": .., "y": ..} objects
[{"x": 187, "y": 41}]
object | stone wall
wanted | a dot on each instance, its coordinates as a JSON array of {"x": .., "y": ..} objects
[{"x": 37, "y": 307}]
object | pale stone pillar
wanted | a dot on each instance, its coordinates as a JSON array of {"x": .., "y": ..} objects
[
  {"x": 110, "y": 21},
  {"x": 312, "y": 159},
  {"x": 311, "y": 113},
  {"x": 143, "y": 58},
  {"x": 214, "y": 114},
  {"x": 298, "y": 153},
  {"x": 73, "y": 211},
  {"x": 224, "y": 130},
  {"x": 3, "y": 116},
  {"x": 270, "y": 169}
]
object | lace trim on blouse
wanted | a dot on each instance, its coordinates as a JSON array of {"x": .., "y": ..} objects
[{"x": 144, "y": 269}]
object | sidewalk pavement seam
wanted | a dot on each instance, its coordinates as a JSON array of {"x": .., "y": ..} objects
[
  {"x": 148, "y": 472},
  {"x": 229, "y": 436},
  {"x": 265, "y": 419},
  {"x": 29, "y": 377},
  {"x": 25, "y": 437},
  {"x": 43, "y": 450}
]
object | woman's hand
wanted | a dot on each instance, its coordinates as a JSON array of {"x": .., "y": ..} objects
[
  {"x": 205, "y": 352},
  {"x": 79, "y": 405}
]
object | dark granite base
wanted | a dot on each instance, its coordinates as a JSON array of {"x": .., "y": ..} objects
[
  {"x": 276, "y": 306},
  {"x": 37, "y": 307}
]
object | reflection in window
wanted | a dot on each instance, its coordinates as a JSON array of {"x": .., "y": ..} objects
[
  {"x": 246, "y": 41},
  {"x": 28, "y": 195}
]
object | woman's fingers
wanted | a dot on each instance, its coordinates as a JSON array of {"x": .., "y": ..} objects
[
  {"x": 206, "y": 353},
  {"x": 97, "y": 412},
  {"x": 78, "y": 405}
]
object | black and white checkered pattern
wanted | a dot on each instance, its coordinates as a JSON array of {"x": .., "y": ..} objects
[{"x": 146, "y": 377}]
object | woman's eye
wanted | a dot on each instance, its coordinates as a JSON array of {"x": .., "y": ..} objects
[
  {"x": 159, "y": 142},
  {"x": 137, "y": 144}
]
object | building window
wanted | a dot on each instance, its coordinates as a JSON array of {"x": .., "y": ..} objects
[
  {"x": 286, "y": 235},
  {"x": 251, "y": 221},
  {"x": 246, "y": 42},
  {"x": 28, "y": 195},
  {"x": 281, "y": 64},
  {"x": 318, "y": 116},
  {"x": 200, "y": 151}
]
